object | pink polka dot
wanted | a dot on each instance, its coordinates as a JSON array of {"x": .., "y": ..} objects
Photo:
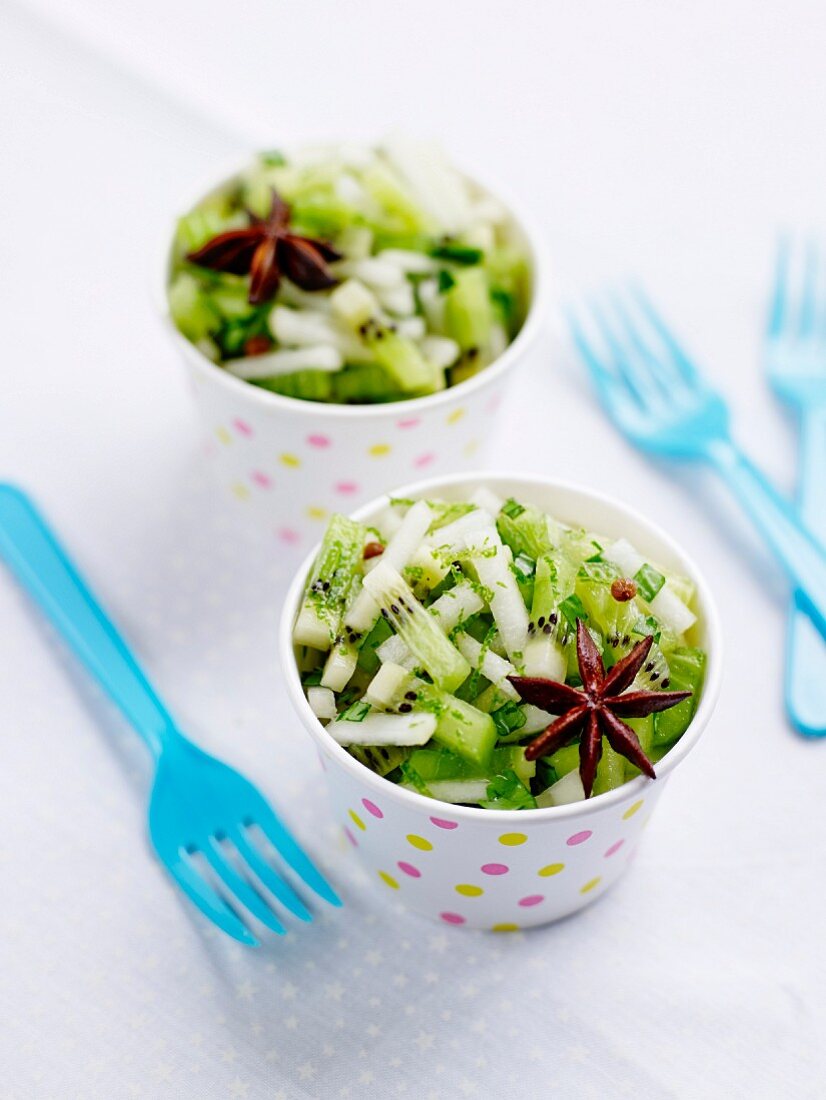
[
  {"x": 440, "y": 823},
  {"x": 531, "y": 899},
  {"x": 320, "y": 441},
  {"x": 350, "y": 837},
  {"x": 261, "y": 479},
  {"x": 242, "y": 427},
  {"x": 346, "y": 487},
  {"x": 494, "y": 869},
  {"x": 288, "y": 535},
  {"x": 371, "y": 807},
  {"x": 424, "y": 460},
  {"x": 452, "y": 918},
  {"x": 615, "y": 848},
  {"x": 409, "y": 869},
  {"x": 409, "y": 422},
  {"x": 579, "y": 838}
]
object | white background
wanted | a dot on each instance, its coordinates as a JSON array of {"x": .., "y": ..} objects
[{"x": 670, "y": 141}]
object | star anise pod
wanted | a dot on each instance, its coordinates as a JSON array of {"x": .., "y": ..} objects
[
  {"x": 595, "y": 709},
  {"x": 266, "y": 250}
]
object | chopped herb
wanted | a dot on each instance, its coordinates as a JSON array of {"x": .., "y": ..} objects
[
  {"x": 508, "y": 718},
  {"x": 446, "y": 281},
  {"x": 458, "y": 253},
  {"x": 312, "y": 679},
  {"x": 356, "y": 712},
  {"x": 512, "y": 508},
  {"x": 573, "y": 608},
  {"x": 649, "y": 581},
  {"x": 508, "y": 792}
]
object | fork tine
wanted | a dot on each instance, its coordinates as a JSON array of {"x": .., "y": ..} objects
[
  {"x": 276, "y": 885},
  {"x": 211, "y": 904},
  {"x": 640, "y": 367},
  {"x": 239, "y": 887},
  {"x": 685, "y": 368},
  {"x": 779, "y": 302},
  {"x": 610, "y": 390},
  {"x": 292, "y": 854},
  {"x": 808, "y": 304}
]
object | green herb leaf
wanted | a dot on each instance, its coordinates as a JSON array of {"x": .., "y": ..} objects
[
  {"x": 573, "y": 608},
  {"x": 458, "y": 253},
  {"x": 508, "y": 792},
  {"x": 512, "y": 508},
  {"x": 312, "y": 679},
  {"x": 508, "y": 718},
  {"x": 356, "y": 712},
  {"x": 649, "y": 581},
  {"x": 446, "y": 281}
]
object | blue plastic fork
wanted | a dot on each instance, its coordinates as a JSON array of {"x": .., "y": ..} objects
[
  {"x": 657, "y": 397},
  {"x": 795, "y": 355},
  {"x": 203, "y": 815}
]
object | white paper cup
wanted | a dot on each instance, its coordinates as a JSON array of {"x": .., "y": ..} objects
[
  {"x": 295, "y": 462},
  {"x": 498, "y": 869}
]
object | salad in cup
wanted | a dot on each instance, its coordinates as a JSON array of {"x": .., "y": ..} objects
[
  {"x": 350, "y": 275},
  {"x": 482, "y": 652}
]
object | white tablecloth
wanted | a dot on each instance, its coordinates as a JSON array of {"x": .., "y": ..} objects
[{"x": 665, "y": 140}]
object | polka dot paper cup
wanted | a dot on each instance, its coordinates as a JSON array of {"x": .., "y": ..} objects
[
  {"x": 295, "y": 462},
  {"x": 495, "y": 869}
]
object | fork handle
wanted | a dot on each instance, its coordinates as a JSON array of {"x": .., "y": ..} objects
[
  {"x": 43, "y": 568},
  {"x": 805, "y": 651},
  {"x": 793, "y": 546}
]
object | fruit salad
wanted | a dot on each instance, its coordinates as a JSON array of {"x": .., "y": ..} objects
[
  {"x": 484, "y": 653},
  {"x": 350, "y": 275}
]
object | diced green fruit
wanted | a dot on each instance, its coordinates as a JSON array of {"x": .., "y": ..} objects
[
  {"x": 353, "y": 303},
  {"x": 401, "y": 359},
  {"x": 417, "y": 627},
  {"x": 190, "y": 309},
  {"x": 468, "y": 315},
  {"x": 460, "y": 726},
  {"x": 377, "y": 728},
  {"x": 381, "y": 759},
  {"x": 305, "y": 385},
  {"x": 686, "y": 673},
  {"x": 330, "y": 583},
  {"x": 368, "y": 659},
  {"x": 388, "y": 687},
  {"x": 610, "y": 770},
  {"x": 508, "y": 792}
]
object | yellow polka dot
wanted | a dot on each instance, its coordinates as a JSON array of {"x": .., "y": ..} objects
[
  {"x": 505, "y": 928},
  {"x": 293, "y": 461},
  {"x": 456, "y": 416},
  {"x": 223, "y": 435},
  {"x": 471, "y": 448},
  {"x": 589, "y": 886},
  {"x": 631, "y": 810},
  {"x": 551, "y": 869},
  {"x": 354, "y": 817},
  {"x": 241, "y": 491},
  {"x": 389, "y": 880},
  {"x": 379, "y": 450},
  {"x": 512, "y": 839},
  {"x": 419, "y": 842},
  {"x": 316, "y": 513},
  {"x": 468, "y": 891}
]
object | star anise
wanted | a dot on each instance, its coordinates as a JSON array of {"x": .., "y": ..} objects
[
  {"x": 266, "y": 250},
  {"x": 594, "y": 710}
]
